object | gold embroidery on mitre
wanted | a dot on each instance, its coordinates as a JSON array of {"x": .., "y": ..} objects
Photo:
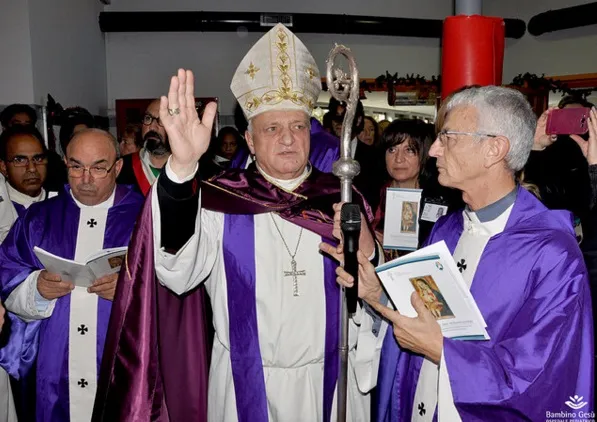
[
  {"x": 285, "y": 90},
  {"x": 252, "y": 71},
  {"x": 311, "y": 72}
]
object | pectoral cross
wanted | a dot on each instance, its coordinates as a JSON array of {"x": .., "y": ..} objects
[{"x": 294, "y": 274}]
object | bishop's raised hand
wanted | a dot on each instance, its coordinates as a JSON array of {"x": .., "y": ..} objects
[{"x": 189, "y": 136}]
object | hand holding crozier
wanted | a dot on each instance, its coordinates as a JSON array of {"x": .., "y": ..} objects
[{"x": 188, "y": 135}]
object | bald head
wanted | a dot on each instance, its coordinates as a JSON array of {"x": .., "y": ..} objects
[
  {"x": 93, "y": 160},
  {"x": 94, "y": 136}
]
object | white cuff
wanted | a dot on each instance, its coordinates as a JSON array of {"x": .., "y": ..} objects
[
  {"x": 172, "y": 176},
  {"x": 22, "y": 301}
]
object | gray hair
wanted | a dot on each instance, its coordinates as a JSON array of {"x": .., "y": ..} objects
[
  {"x": 107, "y": 134},
  {"x": 501, "y": 111}
]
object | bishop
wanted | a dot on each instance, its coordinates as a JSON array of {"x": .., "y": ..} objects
[{"x": 252, "y": 237}]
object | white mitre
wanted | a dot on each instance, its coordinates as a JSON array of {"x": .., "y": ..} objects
[{"x": 278, "y": 73}]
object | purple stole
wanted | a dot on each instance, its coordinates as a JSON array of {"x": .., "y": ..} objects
[{"x": 245, "y": 356}]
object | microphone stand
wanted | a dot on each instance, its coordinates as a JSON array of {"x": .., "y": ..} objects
[{"x": 344, "y": 87}]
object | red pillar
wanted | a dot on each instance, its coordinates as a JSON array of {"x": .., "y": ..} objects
[{"x": 472, "y": 52}]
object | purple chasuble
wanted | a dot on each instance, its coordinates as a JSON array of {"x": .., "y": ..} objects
[
  {"x": 52, "y": 225},
  {"x": 538, "y": 312},
  {"x": 133, "y": 383}
]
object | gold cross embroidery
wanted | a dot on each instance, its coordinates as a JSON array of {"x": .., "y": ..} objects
[{"x": 252, "y": 70}]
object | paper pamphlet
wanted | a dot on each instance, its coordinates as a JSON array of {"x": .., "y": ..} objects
[
  {"x": 97, "y": 265},
  {"x": 401, "y": 221},
  {"x": 433, "y": 274}
]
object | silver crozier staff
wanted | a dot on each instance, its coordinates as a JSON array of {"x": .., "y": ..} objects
[{"x": 345, "y": 88}]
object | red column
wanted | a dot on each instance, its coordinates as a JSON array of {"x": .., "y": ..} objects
[{"x": 472, "y": 52}]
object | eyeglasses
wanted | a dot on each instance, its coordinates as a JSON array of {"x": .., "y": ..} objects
[
  {"x": 443, "y": 134},
  {"x": 148, "y": 119},
  {"x": 22, "y": 161},
  {"x": 97, "y": 172}
]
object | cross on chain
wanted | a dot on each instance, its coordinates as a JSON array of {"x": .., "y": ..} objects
[
  {"x": 294, "y": 274},
  {"x": 92, "y": 223}
]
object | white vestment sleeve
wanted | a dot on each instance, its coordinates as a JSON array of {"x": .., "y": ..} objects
[
  {"x": 371, "y": 334},
  {"x": 22, "y": 303},
  {"x": 8, "y": 214},
  {"x": 368, "y": 352},
  {"x": 193, "y": 263}
]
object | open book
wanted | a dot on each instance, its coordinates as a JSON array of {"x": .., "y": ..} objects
[
  {"x": 433, "y": 274},
  {"x": 97, "y": 265}
]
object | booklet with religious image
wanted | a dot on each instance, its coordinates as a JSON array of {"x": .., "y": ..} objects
[
  {"x": 97, "y": 265},
  {"x": 432, "y": 273},
  {"x": 401, "y": 220}
]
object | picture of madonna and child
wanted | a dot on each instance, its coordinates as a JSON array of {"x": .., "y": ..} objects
[
  {"x": 410, "y": 214},
  {"x": 434, "y": 301}
]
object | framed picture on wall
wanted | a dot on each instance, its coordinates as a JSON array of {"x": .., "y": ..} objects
[{"x": 131, "y": 111}]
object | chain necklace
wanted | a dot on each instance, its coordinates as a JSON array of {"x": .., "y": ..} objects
[{"x": 293, "y": 273}]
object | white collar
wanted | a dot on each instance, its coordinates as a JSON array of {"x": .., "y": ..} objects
[
  {"x": 487, "y": 228},
  {"x": 23, "y": 199},
  {"x": 106, "y": 204},
  {"x": 288, "y": 185}
]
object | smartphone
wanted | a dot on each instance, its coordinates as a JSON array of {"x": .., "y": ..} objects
[{"x": 568, "y": 121}]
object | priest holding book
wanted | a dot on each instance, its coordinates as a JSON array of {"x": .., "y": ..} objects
[
  {"x": 252, "y": 236},
  {"x": 524, "y": 269},
  {"x": 57, "y": 326}
]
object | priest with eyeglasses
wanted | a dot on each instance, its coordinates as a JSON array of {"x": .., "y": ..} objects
[
  {"x": 252, "y": 236},
  {"x": 58, "y": 329}
]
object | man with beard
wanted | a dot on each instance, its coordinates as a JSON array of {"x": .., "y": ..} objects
[
  {"x": 24, "y": 163},
  {"x": 141, "y": 168},
  {"x": 57, "y": 326}
]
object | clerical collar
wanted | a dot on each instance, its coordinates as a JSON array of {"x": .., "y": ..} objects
[
  {"x": 106, "y": 204},
  {"x": 288, "y": 185},
  {"x": 493, "y": 211},
  {"x": 23, "y": 199}
]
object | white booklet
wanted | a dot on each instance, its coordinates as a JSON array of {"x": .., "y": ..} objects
[
  {"x": 433, "y": 274},
  {"x": 97, "y": 265},
  {"x": 401, "y": 221}
]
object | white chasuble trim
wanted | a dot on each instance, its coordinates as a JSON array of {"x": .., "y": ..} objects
[
  {"x": 82, "y": 346},
  {"x": 425, "y": 400},
  {"x": 446, "y": 409}
]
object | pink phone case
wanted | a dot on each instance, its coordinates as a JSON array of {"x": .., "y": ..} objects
[{"x": 568, "y": 121}]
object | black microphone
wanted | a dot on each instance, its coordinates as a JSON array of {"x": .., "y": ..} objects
[{"x": 350, "y": 223}]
